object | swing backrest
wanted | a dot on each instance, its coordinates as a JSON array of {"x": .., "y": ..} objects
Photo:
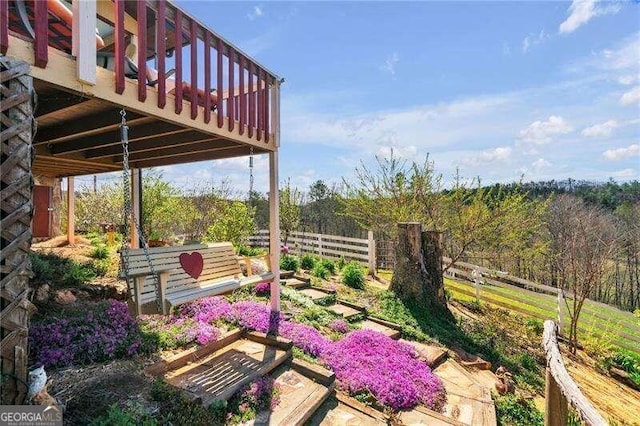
[{"x": 219, "y": 264}]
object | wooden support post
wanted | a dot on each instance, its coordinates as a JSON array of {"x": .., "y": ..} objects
[
  {"x": 83, "y": 40},
  {"x": 135, "y": 206},
  {"x": 71, "y": 213},
  {"x": 556, "y": 410},
  {"x": 372, "y": 253},
  {"x": 274, "y": 229}
]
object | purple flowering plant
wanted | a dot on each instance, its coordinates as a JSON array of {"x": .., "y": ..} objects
[
  {"x": 262, "y": 289},
  {"x": 261, "y": 394},
  {"x": 98, "y": 332},
  {"x": 339, "y": 326},
  {"x": 368, "y": 361}
]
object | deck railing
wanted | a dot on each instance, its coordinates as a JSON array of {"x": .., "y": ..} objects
[
  {"x": 175, "y": 53},
  {"x": 560, "y": 389}
]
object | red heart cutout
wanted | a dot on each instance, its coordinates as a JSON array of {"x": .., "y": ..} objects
[{"x": 192, "y": 264}]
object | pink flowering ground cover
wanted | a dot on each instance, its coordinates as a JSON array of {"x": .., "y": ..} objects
[
  {"x": 364, "y": 361},
  {"x": 369, "y": 361}
]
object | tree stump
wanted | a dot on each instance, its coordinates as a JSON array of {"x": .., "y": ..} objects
[
  {"x": 417, "y": 277},
  {"x": 17, "y": 129}
]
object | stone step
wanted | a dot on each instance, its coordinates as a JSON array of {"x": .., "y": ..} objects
[
  {"x": 220, "y": 374},
  {"x": 383, "y": 327},
  {"x": 315, "y": 294},
  {"x": 336, "y": 411},
  {"x": 432, "y": 355},
  {"x": 423, "y": 416},
  {"x": 300, "y": 398},
  {"x": 286, "y": 274},
  {"x": 294, "y": 283},
  {"x": 467, "y": 401},
  {"x": 344, "y": 310}
]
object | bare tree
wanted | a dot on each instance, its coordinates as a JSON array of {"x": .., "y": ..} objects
[{"x": 583, "y": 242}]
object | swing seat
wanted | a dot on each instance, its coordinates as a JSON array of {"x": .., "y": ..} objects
[{"x": 185, "y": 274}]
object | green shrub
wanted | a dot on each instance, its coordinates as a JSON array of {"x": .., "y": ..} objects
[
  {"x": 43, "y": 270},
  {"x": 308, "y": 262},
  {"x": 319, "y": 271},
  {"x": 127, "y": 416},
  {"x": 514, "y": 410},
  {"x": 341, "y": 263},
  {"x": 329, "y": 265},
  {"x": 250, "y": 251},
  {"x": 527, "y": 362},
  {"x": 535, "y": 325},
  {"x": 77, "y": 275},
  {"x": 175, "y": 408},
  {"x": 100, "y": 266},
  {"x": 353, "y": 275},
  {"x": 289, "y": 263},
  {"x": 100, "y": 252},
  {"x": 59, "y": 271}
]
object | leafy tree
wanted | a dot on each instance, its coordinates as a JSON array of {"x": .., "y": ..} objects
[
  {"x": 103, "y": 206},
  {"x": 583, "y": 241},
  {"x": 260, "y": 203},
  {"x": 165, "y": 212},
  {"x": 235, "y": 224},
  {"x": 207, "y": 201},
  {"x": 290, "y": 200},
  {"x": 394, "y": 192}
]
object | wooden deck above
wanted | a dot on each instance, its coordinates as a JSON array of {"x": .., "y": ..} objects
[{"x": 206, "y": 99}]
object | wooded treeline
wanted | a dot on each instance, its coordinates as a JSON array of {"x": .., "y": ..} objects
[{"x": 519, "y": 228}]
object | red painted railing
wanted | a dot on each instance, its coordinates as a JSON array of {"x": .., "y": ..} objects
[{"x": 217, "y": 77}]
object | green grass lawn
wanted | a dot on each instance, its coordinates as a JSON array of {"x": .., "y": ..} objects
[{"x": 595, "y": 319}]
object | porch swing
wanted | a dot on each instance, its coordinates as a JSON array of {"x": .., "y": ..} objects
[{"x": 171, "y": 276}]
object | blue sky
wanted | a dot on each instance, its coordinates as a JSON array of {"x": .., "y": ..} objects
[{"x": 544, "y": 90}]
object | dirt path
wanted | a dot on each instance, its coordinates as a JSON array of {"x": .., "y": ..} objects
[{"x": 614, "y": 400}]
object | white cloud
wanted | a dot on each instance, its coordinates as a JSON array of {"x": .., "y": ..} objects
[
  {"x": 626, "y": 173},
  {"x": 540, "y": 164},
  {"x": 627, "y": 80},
  {"x": 582, "y": 11},
  {"x": 255, "y": 13},
  {"x": 602, "y": 130},
  {"x": 390, "y": 63},
  {"x": 496, "y": 155},
  {"x": 622, "y": 153},
  {"x": 540, "y": 132},
  {"x": 631, "y": 97},
  {"x": 408, "y": 152},
  {"x": 533, "y": 40}
]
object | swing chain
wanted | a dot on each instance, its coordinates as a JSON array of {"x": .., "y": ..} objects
[
  {"x": 128, "y": 215},
  {"x": 250, "y": 172}
]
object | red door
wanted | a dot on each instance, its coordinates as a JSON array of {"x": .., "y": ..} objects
[{"x": 41, "y": 226}]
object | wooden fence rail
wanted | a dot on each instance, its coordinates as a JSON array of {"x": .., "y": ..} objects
[
  {"x": 560, "y": 389},
  {"x": 361, "y": 250}
]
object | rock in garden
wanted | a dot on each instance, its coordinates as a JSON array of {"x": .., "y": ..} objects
[
  {"x": 65, "y": 297},
  {"x": 42, "y": 293}
]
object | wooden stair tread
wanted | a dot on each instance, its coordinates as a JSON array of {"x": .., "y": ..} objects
[
  {"x": 336, "y": 413},
  {"x": 294, "y": 283},
  {"x": 219, "y": 375},
  {"x": 300, "y": 397},
  {"x": 376, "y": 326},
  {"x": 431, "y": 354},
  {"x": 467, "y": 400},
  {"x": 315, "y": 294},
  {"x": 344, "y": 310}
]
